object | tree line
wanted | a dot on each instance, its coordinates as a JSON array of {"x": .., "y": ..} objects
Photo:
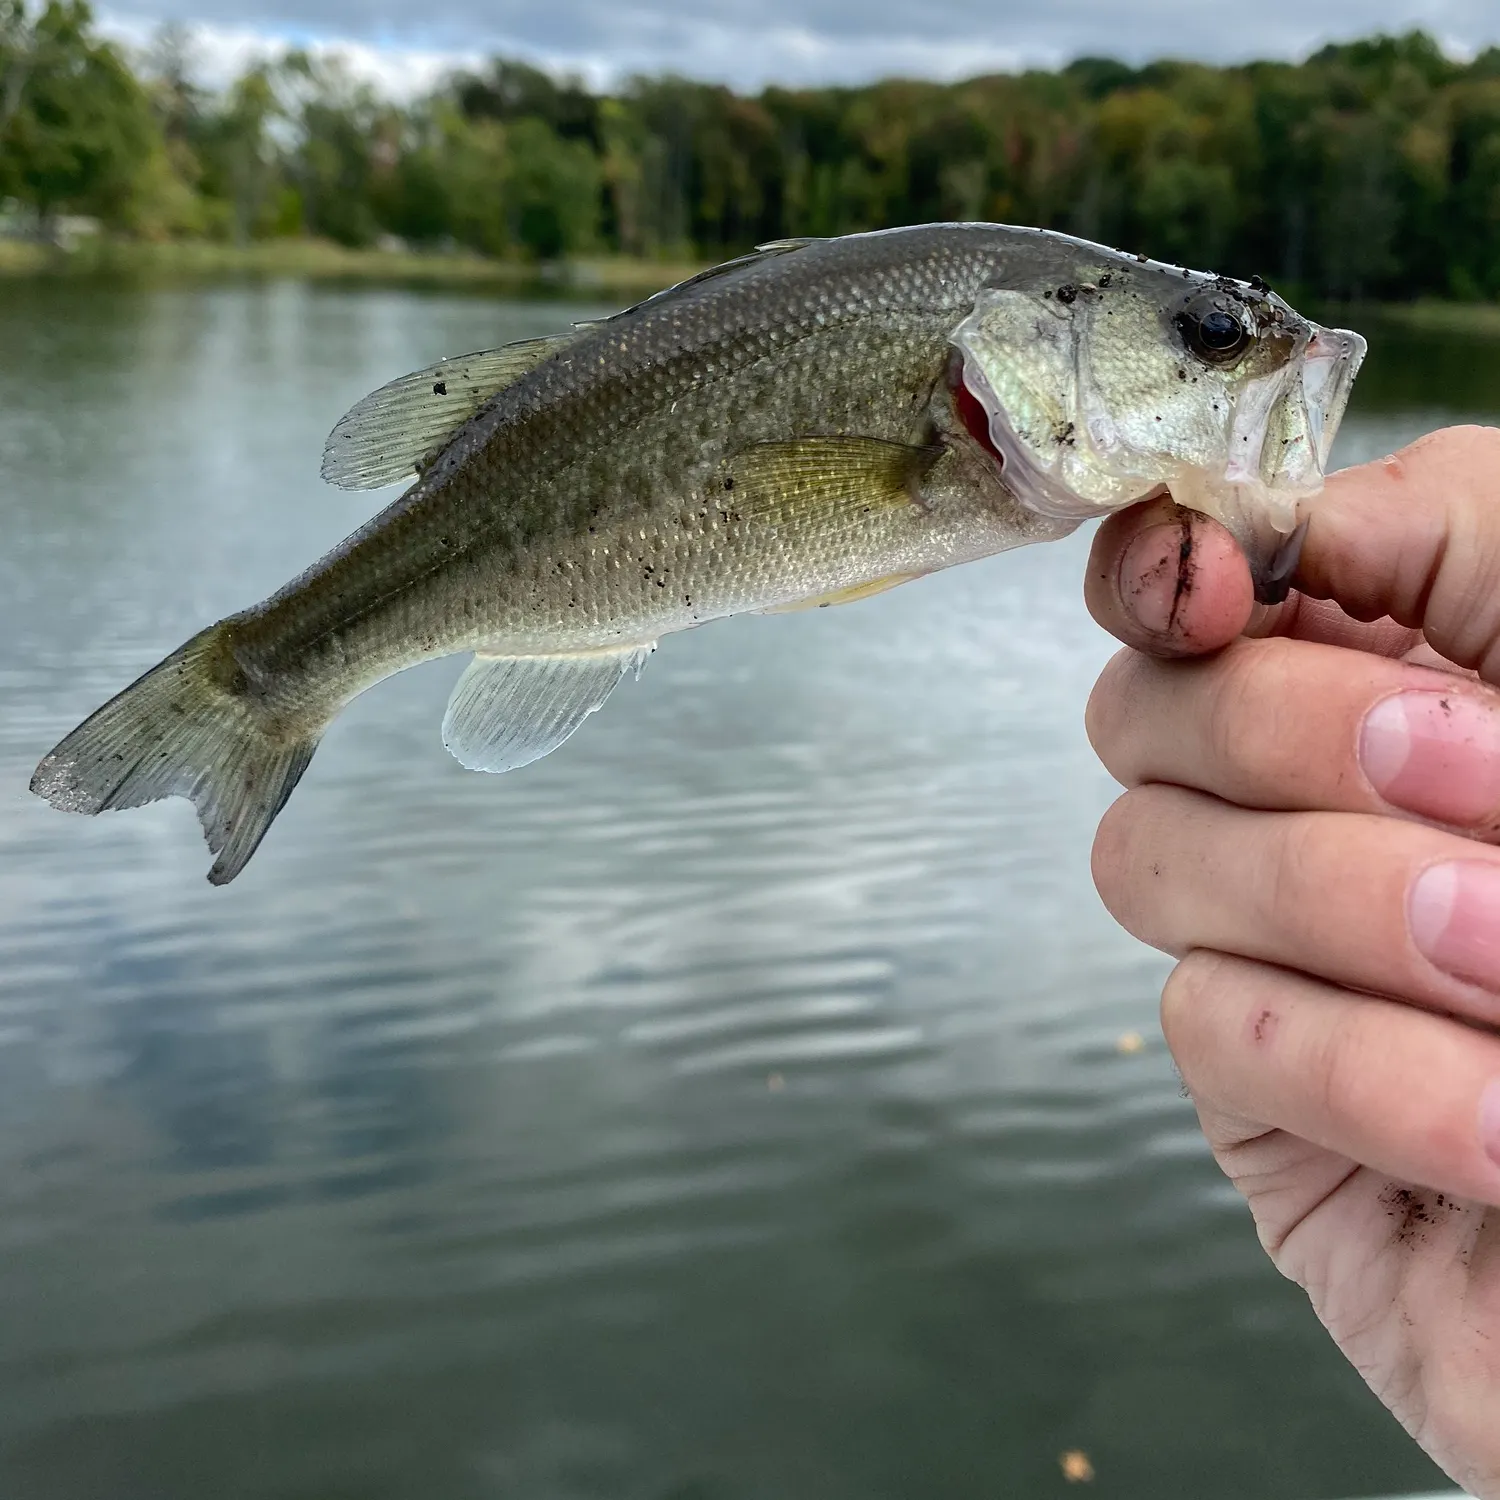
[{"x": 1372, "y": 169}]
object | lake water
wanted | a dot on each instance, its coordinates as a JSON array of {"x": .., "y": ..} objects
[{"x": 729, "y": 1107}]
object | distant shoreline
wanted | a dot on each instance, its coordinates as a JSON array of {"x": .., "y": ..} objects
[
  {"x": 1432, "y": 316},
  {"x": 600, "y": 277},
  {"x": 322, "y": 260}
]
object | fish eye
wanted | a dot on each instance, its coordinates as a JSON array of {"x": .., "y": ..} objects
[{"x": 1216, "y": 335}]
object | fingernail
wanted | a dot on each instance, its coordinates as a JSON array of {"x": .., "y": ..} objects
[
  {"x": 1453, "y": 914},
  {"x": 1149, "y": 573},
  {"x": 1436, "y": 753},
  {"x": 1489, "y": 1120}
]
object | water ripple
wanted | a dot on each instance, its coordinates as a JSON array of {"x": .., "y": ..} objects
[{"x": 729, "y": 1104}]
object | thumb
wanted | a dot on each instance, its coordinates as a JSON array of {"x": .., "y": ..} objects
[{"x": 1168, "y": 581}]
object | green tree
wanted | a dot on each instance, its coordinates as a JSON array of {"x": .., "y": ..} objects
[
  {"x": 626, "y": 144},
  {"x": 1372, "y": 169},
  {"x": 453, "y": 178},
  {"x": 552, "y": 191},
  {"x": 334, "y": 163},
  {"x": 511, "y": 91},
  {"x": 75, "y": 124},
  {"x": 1473, "y": 259}
]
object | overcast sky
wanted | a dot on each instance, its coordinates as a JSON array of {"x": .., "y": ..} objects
[{"x": 752, "y": 42}]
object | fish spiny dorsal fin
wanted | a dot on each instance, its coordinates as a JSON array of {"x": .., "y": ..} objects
[
  {"x": 769, "y": 251},
  {"x": 779, "y": 482},
  {"x": 399, "y": 429}
]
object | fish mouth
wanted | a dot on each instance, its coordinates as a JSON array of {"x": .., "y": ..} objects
[
  {"x": 1280, "y": 430},
  {"x": 1263, "y": 498},
  {"x": 1329, "y": 365}
]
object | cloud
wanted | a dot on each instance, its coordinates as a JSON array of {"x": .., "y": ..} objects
[
  {"x": 783, "y": 41},
  {"x": 221, "y": 53}
]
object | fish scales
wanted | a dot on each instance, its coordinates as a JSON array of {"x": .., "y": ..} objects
[
  {"x": 625, "y": 420},
  {"x": 810, "y": 424}
]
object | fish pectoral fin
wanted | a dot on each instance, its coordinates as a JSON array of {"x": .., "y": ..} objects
[
  {"x": 780, "y": 482},
  {"x": 508, "y": 711},
  {"x": 398, "y": 430},
  {"x": 843, "y": 596}
]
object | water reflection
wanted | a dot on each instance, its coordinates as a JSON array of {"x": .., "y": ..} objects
[{"x": 728, "y": 1105}]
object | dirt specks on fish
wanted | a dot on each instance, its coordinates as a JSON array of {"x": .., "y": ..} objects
[{"x": 877, "y": 408}]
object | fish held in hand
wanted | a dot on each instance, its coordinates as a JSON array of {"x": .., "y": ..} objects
[{"x": 804, "y": 426}]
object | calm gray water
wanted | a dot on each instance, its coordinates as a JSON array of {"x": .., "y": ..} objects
[{"x": 728, "y": 1106}]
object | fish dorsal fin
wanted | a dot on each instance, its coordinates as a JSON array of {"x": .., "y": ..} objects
[
  {"x": 849, "y": 595},
  {"x": 508, "y": 711},
  {"x": 397, "y": 430},
  {"x": 780, "y": 482},
  {"x": 769, "y": 251}
]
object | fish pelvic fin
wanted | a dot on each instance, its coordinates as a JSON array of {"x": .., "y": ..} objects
[{"x": 188, "y": 728}]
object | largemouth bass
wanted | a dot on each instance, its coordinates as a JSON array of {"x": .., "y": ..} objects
[{"x": 806, "y": 425}]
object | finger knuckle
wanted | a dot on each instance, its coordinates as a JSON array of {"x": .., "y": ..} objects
[
  {"x": 1441, "y": 1135},
  {"x": 1293, "y": 853},
  {"x": 1463, "y": 602},
  {"x": 1446, "y": 574},
  {"x": 1462, "y": 443},
  {"x": 1106, "y": 718},
  {"x": 1246, "y": 712},
  {"x": 1348, "y": 1066},
  {"x": 1338, "y": 1069},
  {"x": 1185, "y": 999},
  {"x": 1114, "y": 859},
  {"x": 1468, "y": 438}
]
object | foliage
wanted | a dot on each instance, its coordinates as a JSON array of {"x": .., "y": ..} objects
[
  {"x": 1371, "y": 169},
  {"x": 75, "y": 124}
]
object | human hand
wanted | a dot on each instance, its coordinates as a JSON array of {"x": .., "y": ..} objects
[{"x": 1308, "y": 829}]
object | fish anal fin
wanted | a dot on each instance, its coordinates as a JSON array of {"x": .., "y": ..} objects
[
  {"x": 778, "y": 482},
  {"x": 844, "y": 596},
  {"x": 507, "y": 711},
  {"x": 398, "y": 430}
]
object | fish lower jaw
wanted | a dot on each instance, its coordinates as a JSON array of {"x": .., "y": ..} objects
[
  {"x": 1244, "y": 507},
  {"x": 1268, "y": 525}
]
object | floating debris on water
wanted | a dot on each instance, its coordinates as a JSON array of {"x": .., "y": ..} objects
[{"x": 1076, "y": 1468}]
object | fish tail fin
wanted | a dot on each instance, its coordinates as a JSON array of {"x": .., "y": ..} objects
[{"x": 188, "y": 728}]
